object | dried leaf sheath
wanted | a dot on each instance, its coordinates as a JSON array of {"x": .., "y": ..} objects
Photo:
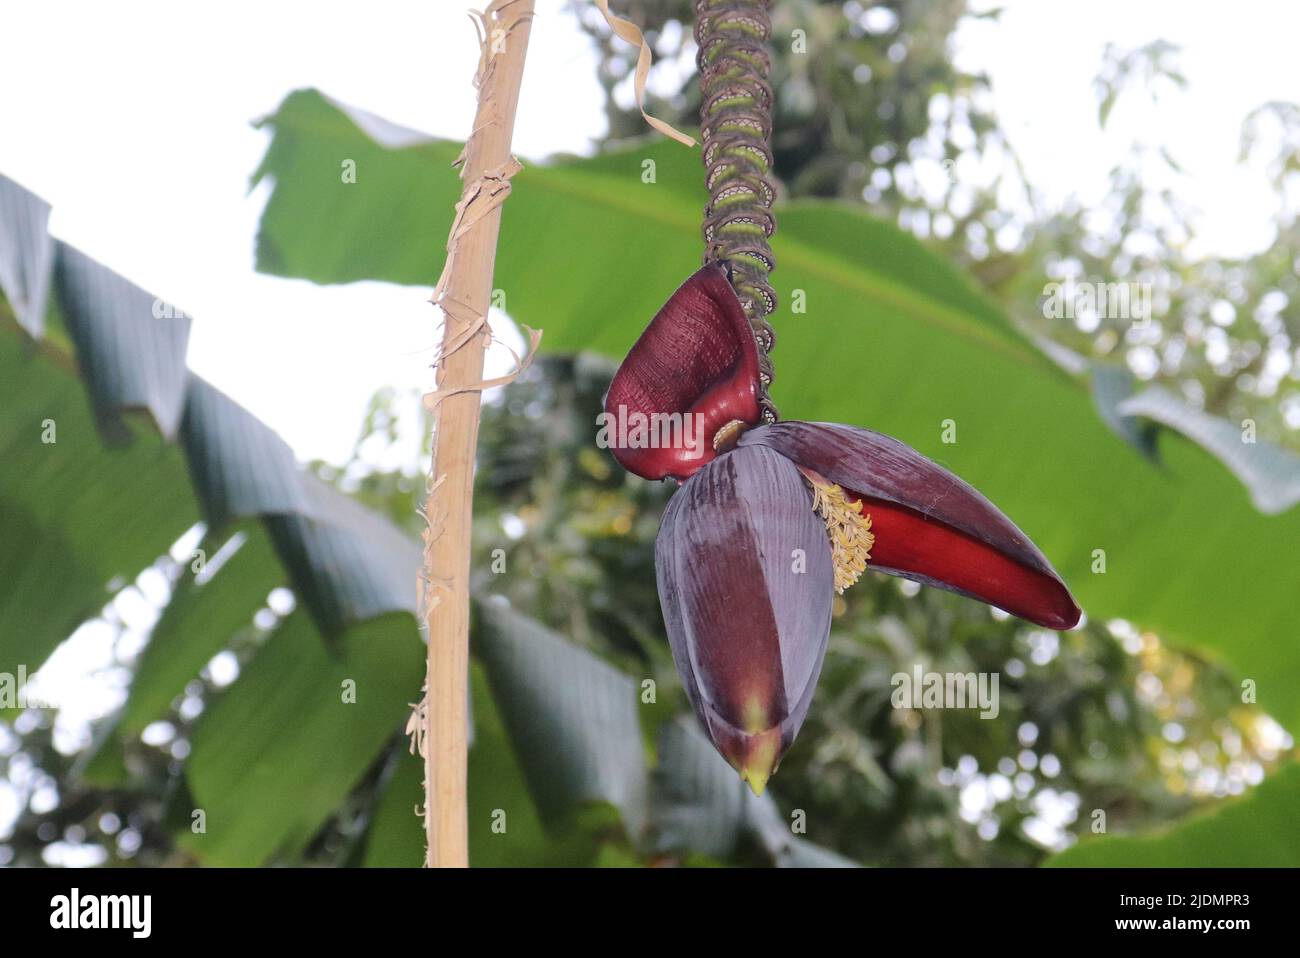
[{"x": 463, "y": 292}]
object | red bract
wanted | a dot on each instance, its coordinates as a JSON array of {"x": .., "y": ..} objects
[
  {"x": 772, "y": 520},
  {"x": 696, "y": 358},
  {"x": 928, "y": 524}
]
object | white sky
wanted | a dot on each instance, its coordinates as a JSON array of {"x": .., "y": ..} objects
[{"x": 132, "y": 119}]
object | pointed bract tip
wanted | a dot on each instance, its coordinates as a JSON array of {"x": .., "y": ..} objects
[
  {"x": 1067, "y": 614},
  {"x": 756, "y": 757},
  {"x": 756, "y": 781}
]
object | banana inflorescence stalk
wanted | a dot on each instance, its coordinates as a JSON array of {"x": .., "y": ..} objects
[{"x": 736, "y": 127}]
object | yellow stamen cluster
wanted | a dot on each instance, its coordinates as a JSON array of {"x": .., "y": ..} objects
[{"x": 849, "y": 529}]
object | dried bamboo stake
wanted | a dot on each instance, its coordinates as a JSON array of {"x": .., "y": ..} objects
[{"x": 463, "y": 292}]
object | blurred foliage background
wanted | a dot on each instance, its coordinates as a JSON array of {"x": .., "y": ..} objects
[{"x": 1110, "y": 717}]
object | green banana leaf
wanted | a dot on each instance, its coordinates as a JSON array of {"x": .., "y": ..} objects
[
  {"x": 1271, "y": 473},
  {"x": 890, "y": 336},
  {"x": 76, "y": 515},
  {"x": 505, "y": 825},
  {"x": 282, "y": 746},
  {"x": 1256, "y": 830},
  {"x": 572, "y": 717}
]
